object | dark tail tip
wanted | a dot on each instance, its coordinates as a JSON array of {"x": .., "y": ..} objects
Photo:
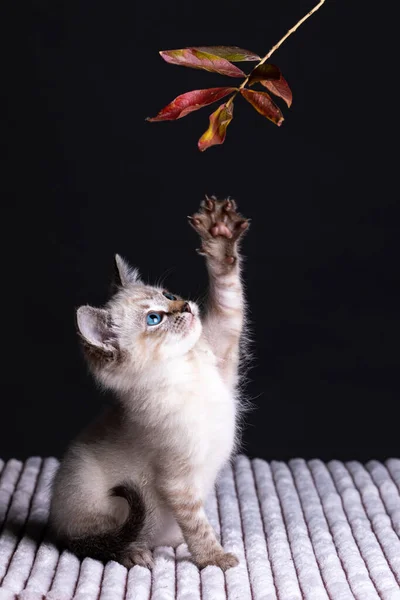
[{"x": 113, "y": 543}]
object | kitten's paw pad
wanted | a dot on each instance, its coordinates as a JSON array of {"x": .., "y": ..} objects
[
  {"x": 220, "y": 229},
  {"x": 224, "y": 561},
  {"x": 219, "y": 218},
  {"x": 139, "y": 556}
]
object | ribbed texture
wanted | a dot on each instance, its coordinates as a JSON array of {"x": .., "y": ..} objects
[{"x": 302, "y": 530}]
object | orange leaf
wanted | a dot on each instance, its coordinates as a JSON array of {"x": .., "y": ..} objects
[
  {"x": 187, "y": 103},
  {"x": 263, "y": 104},
  {"x": 216, "y": 132},
  {"x": 232, "y": 53},
  {"x": 191, "y": 57}
]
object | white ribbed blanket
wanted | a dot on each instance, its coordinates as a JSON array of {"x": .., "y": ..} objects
[{"x": 302, "y": 530}]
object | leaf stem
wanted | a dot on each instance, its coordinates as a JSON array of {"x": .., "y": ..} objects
[{"x": 274, "y": 48}]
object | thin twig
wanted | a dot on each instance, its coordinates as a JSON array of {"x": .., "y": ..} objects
[
  {"x": 274, "y": 48},
  {"x": 270, "y": 53}
]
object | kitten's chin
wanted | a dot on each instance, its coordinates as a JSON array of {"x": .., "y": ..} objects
[
  {"x": 191, "y": 321},
  {"x": 193, "y": 330},
  {"x": 187, "y": 338}
]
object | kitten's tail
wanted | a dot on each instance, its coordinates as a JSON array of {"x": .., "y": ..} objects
[{"x": 113, "y": 543}]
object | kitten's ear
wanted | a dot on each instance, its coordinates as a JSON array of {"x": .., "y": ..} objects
[
  {"x": 126, "y": 274},
  {"x": 93, "y": 325}
]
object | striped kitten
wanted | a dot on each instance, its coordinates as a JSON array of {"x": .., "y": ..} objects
[{"x": 138, "y": 477}]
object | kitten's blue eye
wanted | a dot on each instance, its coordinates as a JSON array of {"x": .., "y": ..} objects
[
  {"x": 153, "y": 318},
  {"x": 169, "y": 296}
]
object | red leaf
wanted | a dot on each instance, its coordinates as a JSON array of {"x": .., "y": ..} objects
[
  {"x": 271, "y": 77},
  {"x": 232, "y": 53},
  {"x": 279, "y": 87},
  {"x": 187, "y": 103},
  {"x": 216, "y": 132},
  {"x": 263, "y": 103},
  {"x": 190, "y": 57}
]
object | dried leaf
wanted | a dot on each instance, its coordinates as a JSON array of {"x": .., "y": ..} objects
[
  {"x": 264, "y": 104},
  {"x": 232, "y": 53},
  {"x": 191, "y": 57},
  {"x": 187, "y": 103},
  {"x": 216, "y": 132}
]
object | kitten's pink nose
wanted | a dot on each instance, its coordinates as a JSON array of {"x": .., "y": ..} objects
[{"x": 186, "y": 307}]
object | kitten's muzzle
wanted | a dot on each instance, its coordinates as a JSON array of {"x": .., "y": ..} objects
[{"x": 180, "y": 307}]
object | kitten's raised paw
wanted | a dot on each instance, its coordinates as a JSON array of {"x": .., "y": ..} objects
[
  {"x": 224, "y": 561},
  {"x": 138, "y": 556},
  {"x": 219, "y": 226},
  {"x": 219, "y": 218}
]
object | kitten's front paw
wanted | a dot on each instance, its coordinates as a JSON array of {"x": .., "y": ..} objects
[
  {"x": 224, "y": 560},
  {"x": 138, "y": 556},
  {"x": 219, "y": 226}
]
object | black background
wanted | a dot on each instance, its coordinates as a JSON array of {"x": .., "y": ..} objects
[{"x": 90, "y": 178}]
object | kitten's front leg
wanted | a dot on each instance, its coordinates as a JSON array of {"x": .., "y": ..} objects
[
  {"x": 220, "y": 228},
  {"x": 188, "y": 510}
]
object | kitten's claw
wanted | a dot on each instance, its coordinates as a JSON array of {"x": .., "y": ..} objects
[
  {"x": 224, "y": 561},
  {"x": 139, "y": 556},
  {"x": 208, "y": 204},
  {"x": 230, "y": 205},
  {"x": 195, "y": 222}
]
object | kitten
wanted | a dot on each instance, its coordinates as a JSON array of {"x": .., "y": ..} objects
[{"x": 138, "y": 477}]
